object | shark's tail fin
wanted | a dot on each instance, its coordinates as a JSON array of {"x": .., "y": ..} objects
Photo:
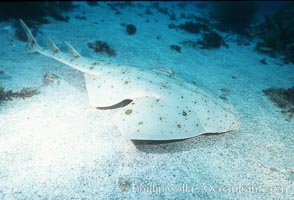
[{"x": 32, "y": 44}]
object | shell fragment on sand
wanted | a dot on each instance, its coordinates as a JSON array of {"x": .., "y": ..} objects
[{"x": 160, "y": 105}]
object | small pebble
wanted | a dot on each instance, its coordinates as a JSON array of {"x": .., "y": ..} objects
[
  {"x": 131, "y": 29},
  {"x": 263, "y": 61},
  {"x": 176, "y": 48},
  {"x": 274, "y": 169}
]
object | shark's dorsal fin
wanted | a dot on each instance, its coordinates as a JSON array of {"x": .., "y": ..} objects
[
  {"x": 53, "y": 46},
  {"x": 32, "y": 44},
  {"x": 73, "y": 51}
]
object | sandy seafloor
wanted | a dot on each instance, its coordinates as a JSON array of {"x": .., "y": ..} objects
[{"x": 55, "y": 146}]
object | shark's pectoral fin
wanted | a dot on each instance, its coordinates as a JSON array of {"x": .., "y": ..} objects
[
  {"x": 149, "y": 118},
  {"x": 105, "y": 93}
]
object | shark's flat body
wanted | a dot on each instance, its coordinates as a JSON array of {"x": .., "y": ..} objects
[{"x": 163, "y": 107}]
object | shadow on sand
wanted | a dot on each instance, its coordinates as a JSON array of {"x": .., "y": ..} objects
[{"x": 173, "y": 146}]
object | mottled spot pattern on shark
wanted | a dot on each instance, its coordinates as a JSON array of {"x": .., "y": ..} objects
[{"x": 151, "y": 104}]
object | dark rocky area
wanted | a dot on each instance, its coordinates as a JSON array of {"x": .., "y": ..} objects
[
  {"x": 282, "y": 98},
  {"x": 277, "y": 34},
  {"x": 102, "y": 47},
  {"x": 8, "y": 95}
]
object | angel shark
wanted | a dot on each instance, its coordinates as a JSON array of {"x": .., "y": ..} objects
[{"x": 151, "y": 104}]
